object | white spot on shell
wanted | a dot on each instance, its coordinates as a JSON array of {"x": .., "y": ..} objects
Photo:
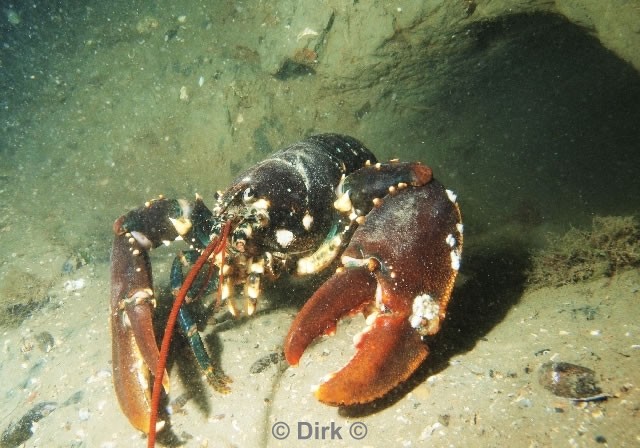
[
  {"x": 305, "y": 266},
  {"x": 351, "y": 262},
  {"x": 327, "y": 377},
  {"x": 284, "y": 237},
  {"x": 142, "y": 239},
  {"x": 261, "y": 204},
  {"x": 182, "y": 225},
  {"x": 357, "y": 338},
  {"x": 378, "y": 296},
  {"x": 307, "y": 220},
  {"x": 452, "y": 196},
  {"x": 140, "y": 368},
  {"x": 343, "y": 203},
  {"x": 253, "y": 292}
]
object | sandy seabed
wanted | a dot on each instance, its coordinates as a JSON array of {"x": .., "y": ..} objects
[{"x": 109, "y": 108}]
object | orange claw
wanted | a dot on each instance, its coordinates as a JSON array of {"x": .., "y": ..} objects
[
  {"x": 386, "y": 355},
  {"x": 399, "y": 269}
]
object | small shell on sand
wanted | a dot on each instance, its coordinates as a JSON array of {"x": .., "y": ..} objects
[
  {"x": 569, "y": 380},
  {"x": 147, "y": 25}
]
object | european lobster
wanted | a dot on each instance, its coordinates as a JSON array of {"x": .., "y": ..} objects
[{"x": 392, "y": 233}]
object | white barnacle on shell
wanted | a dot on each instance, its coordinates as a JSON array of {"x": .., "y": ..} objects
[
  {"x": 455, "y": 260},
  {"x": 452, "y": 196},
  {"x": 424, "y": 308},
  {"x": 451, "y": 240}
]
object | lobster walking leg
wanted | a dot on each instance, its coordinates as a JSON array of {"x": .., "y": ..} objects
[
  {"x": 215, "y": 376},
  {"x": 215, "y": 247}
]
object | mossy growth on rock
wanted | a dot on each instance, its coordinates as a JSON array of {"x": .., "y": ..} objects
[
  {"x": 612, "y": 244},
  {"x": 21, "y": 293}
]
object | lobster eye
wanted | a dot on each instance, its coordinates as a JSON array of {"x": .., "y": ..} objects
[{"x": 248, "y": 195}]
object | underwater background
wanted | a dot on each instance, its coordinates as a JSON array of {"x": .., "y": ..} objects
[{"x": 529, "y": 113}]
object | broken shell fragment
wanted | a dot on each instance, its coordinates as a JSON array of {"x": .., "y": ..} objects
[{"x": 568, "y": 380}]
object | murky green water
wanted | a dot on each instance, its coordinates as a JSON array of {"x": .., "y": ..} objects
[{"x": 104, "y": 105}]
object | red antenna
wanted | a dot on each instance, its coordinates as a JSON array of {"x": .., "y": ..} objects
[{"x": 215, "y": 247}]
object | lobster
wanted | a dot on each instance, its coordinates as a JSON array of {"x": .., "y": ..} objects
[{"x": 392, "y": 233}]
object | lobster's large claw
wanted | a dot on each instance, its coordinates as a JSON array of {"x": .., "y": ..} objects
[
  {"x": 399, "y": 269},
  {"x": 387, "y": 351},
  {"x": 135, "y": 352}
]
